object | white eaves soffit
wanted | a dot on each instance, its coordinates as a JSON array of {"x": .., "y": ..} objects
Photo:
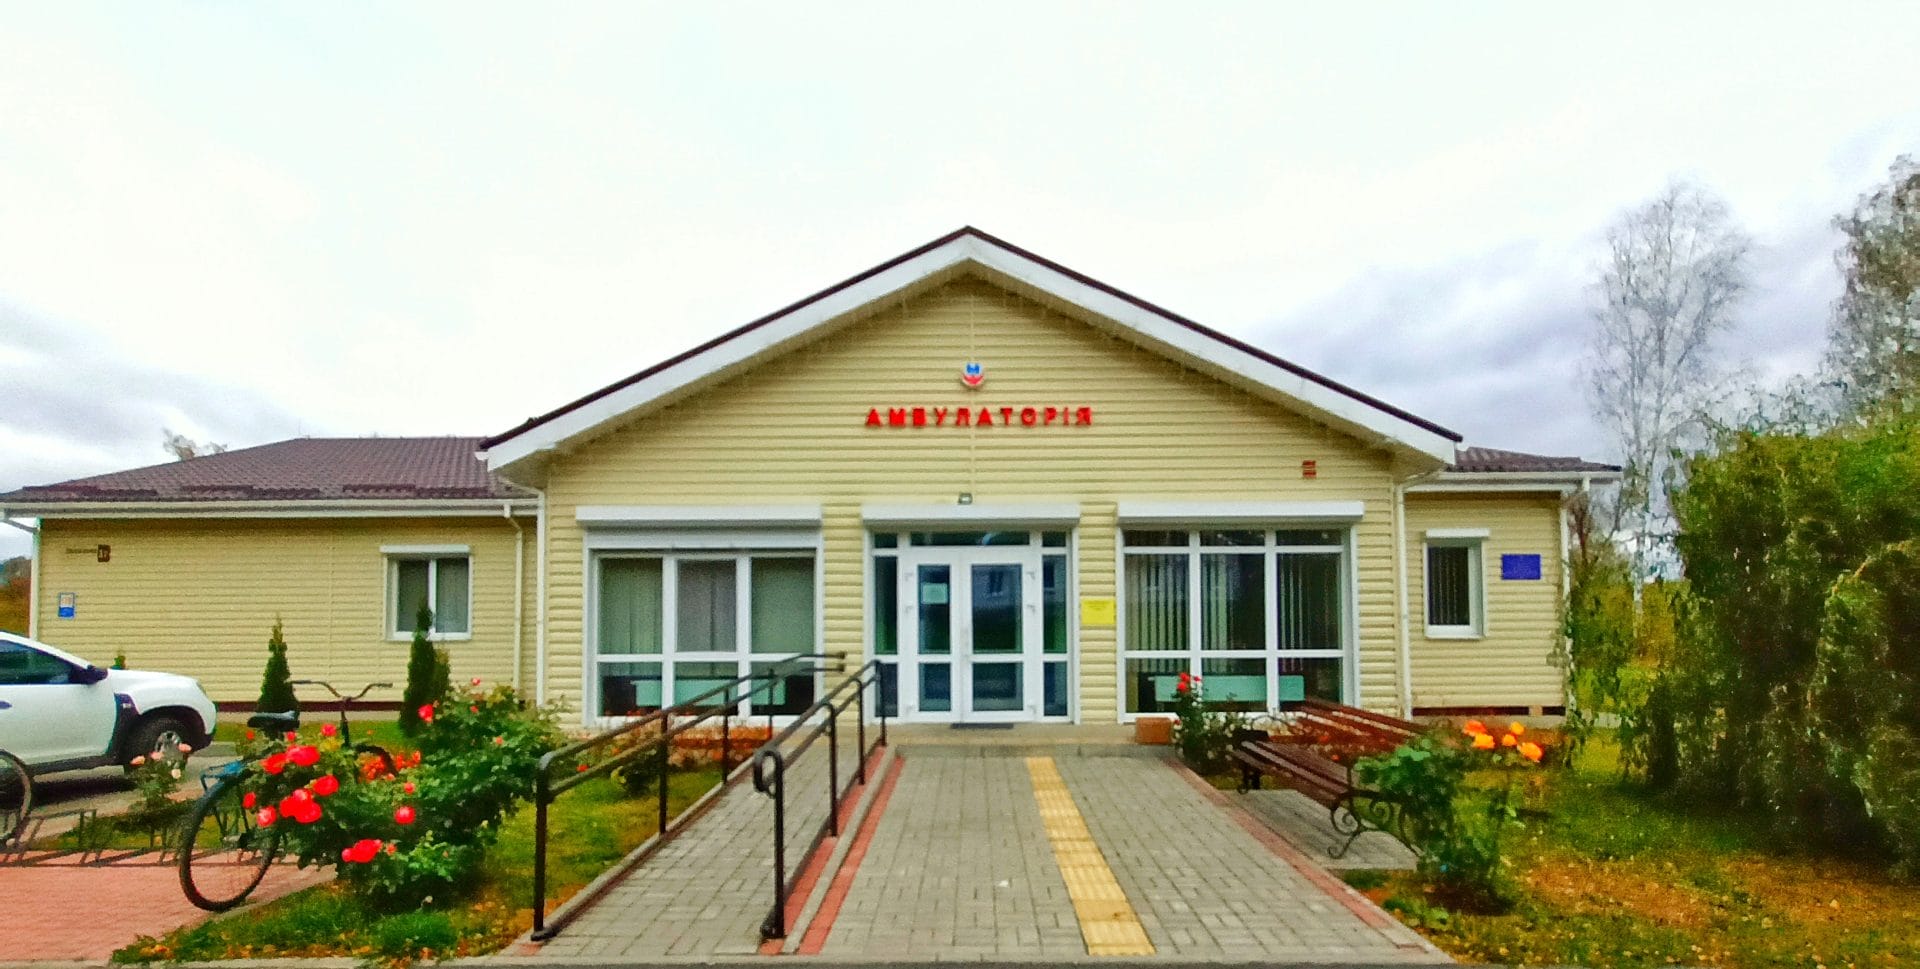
[{"x": 966, "y": 252}]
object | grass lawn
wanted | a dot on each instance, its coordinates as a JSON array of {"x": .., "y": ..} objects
[
  {"x": 381, "y": 729},
  {"x": 1613, "y": 877},
  {"x": 592, "y": 826}
]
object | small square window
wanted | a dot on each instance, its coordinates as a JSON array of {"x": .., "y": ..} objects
[{"x": 440, "y": 585}]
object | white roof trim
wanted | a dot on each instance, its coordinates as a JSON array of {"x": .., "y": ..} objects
[
  {"x": 1031, "y": 514},
  {"x": 1443, "y": 534},
  {"x": 1155, "y": 328},
  {"x": 1520, "y": 477},
  {"x": 348, "y": 508},
  {"x": 426, "y": 550},
  {"x": 1238, "y": 512},
  {"x": 698, "y": 516}
]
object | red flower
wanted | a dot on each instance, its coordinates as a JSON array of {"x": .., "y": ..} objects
[
  {"x": 408, "y": 787},
  {"x": 266, "y": 817},
  {"x": 300, "y": 795},
  {"x": 425, "y": 712},
  {"x": 292, "y": 736},
  {"x": 305, "y": 755},
  {"x": 473, "y": 709},
  {"x": 325, "y": 784},
  {"x": 580, "y": 768},
  {"x": 476, "y": 681},
  {"x": 274, "y": 764},
  {"x": 404, "y": 815},
  {"x": 249, "y": 801},
  {"x": 249, "y": 735},
  {"x": 307, "y": 812},
  {"x": 328, "y": 730},
  {"x": 362, "y": 851}
]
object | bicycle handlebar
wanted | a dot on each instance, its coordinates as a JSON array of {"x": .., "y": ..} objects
[{"x": 369, "y": 688}]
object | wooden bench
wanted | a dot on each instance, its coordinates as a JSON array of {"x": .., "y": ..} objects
[{"x": 1312, "y": 750}]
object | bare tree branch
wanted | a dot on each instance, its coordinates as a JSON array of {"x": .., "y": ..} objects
[{"x": 1676, "y": 267}]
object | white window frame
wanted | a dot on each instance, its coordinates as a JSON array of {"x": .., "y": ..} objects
[
  {"x": 670, "y": 654},
  {"x": 1474, "y": 540},
  {"x": 1269, "y": 551},
  {"x": 430, "y": 554}
]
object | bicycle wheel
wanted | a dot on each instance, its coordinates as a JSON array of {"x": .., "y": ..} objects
[
  {"x": 223, "y": 853},
  {"x": 16, "y": 796}
]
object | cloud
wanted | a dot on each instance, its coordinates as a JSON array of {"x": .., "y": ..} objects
[
  {"x": 1491, "y": 344},
  {"x": 74, "y": 406}
]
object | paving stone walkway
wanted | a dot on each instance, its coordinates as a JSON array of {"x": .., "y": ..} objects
[
  {"x": 959, "y": 868},
  {"x": 58, "y": 912},
  {"x": 704, "y": 894},
  {"x": 1205, "y": 888}
]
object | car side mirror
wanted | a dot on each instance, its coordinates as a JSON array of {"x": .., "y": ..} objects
[{"x": 89, "y": 674}]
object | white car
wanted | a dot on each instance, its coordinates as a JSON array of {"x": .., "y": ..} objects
[{"x": 59, "y": 712}]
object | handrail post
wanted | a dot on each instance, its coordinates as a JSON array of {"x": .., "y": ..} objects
[
  {"x": 725, "y": 741},
  {"x": 860, "y": 728},
  {"x": 666, "y": 747},
  {"x": 779, "y": 915},
  {"x": 833, "y": 769},
  {"x": 540, "y": 798}
]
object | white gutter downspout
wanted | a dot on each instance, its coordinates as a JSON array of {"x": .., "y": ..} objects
[
  {"x": 519, "y": 592},
  {"x": 540, "y": 605},
  {"x": 33, "y": 579},
  {"x": 1400, "y": 591}
]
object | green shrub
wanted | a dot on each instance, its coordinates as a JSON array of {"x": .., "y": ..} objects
[
  {"x": 1457, "y": 828},
  {"x": 405, "y": 837},
  {"x": 1204, "y": 737},
  {"x": 1784, "y": 690},
  {"x": 276, "y": 684},
  {"x": 428, "y": 674}
]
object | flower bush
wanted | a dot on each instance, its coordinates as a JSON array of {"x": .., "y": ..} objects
[
  {"x": 156, "y": 776},
  {"x": 1204, "y": 737},
  {"x": 1455, "y": 826},
  {"x": 405, "y": 835}
]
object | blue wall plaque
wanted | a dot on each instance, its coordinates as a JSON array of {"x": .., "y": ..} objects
[{"x": 1519, "y": 567}]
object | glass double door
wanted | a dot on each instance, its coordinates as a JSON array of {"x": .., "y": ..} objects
[{"x": 971, "y": 649}]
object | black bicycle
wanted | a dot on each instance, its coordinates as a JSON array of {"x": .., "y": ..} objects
[
  {"x": 224, "y": 852},
  {"x": 16, "y": 796}
]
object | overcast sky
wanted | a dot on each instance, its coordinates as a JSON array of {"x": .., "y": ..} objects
[{"x": 248, "y": 222}]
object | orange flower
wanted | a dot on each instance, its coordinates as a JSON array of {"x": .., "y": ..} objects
[
  {"x": 1474, "y": 728},
  {"x": 1482, "y": 742},
  {"x": 1531, "y": 751},
  {"x": 1507, "y": 740},
  {"x": 1516, "y": 728}
]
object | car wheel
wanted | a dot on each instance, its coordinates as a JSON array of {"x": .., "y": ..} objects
[{"x": 163, "y": 732}]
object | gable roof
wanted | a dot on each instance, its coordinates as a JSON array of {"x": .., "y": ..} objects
[
  {"x": 965, "y": 249},
  {"x": 351, "y": 469}
]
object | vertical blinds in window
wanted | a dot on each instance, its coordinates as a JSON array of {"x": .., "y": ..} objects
[
  {"x": 450, "y": 595},
  {"x": 782, "y": 605},
  {"x": 630, "y": 607},
  {"x": 706, "y": 608},
  {"x": 1157, "y": 602},
  {"x": 1308, "y": 589},
  {"x": 1448, "y": 585}
]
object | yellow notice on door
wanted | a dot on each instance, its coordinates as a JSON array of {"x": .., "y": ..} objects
[{"x": 1096, "y": 611}]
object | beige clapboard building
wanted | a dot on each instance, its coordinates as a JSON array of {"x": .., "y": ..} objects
[{"x": 1031, "y": 496}]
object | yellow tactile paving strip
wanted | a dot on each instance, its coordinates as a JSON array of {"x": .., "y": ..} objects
[{"x": 1107, "y": 920}]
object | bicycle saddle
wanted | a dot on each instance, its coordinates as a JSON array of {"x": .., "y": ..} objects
[{"x": 289, "y": 720}]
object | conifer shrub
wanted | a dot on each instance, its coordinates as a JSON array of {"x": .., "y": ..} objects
[
  {"x": 428, "y": 674},
  {"x": 276, "y": 684}
]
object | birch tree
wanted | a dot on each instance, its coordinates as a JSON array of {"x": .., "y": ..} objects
[
  {"x": 1873, "y": 341},
  {"x": 1675, "y": 270}
]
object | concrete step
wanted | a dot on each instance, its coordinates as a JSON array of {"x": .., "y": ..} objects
[{"x": 1020, "y": 740}]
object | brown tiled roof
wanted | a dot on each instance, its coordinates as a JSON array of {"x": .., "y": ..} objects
[
  {"x": 1494, "y": 460},
  {"x": 303, "y": 469}
]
